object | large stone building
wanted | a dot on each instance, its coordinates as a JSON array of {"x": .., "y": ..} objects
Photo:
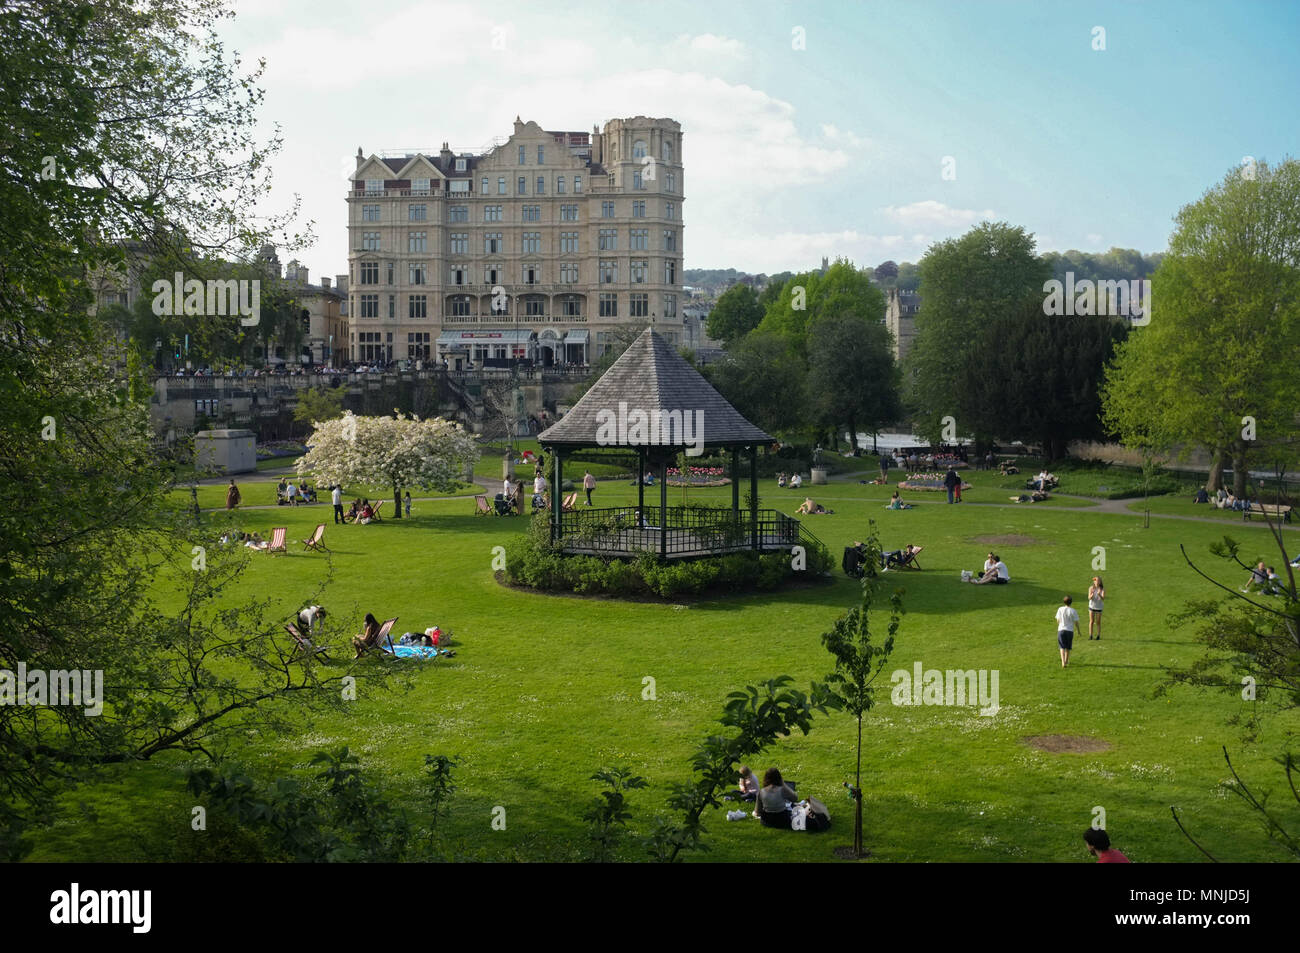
[
  {"x": 537, "y": 248},
  {"x": 900, "y": 318}
]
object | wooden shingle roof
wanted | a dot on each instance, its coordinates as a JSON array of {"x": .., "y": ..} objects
[{"x": 653, "y": 379}]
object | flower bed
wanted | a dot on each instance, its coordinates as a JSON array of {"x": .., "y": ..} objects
[
  {"x": 698, "y": 476},
  {"x": 280, "y": 448},
  {"x": 928, "y": 482}
]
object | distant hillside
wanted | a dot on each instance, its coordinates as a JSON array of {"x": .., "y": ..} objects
[{"x": 718, "y": 280}]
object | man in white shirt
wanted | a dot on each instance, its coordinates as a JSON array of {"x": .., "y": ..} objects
[
  {"x": 291, "y": 491},
  {"x": 1067, "y": 619},
  {"x": 796, "y": 481},
  {"x": 336, "y": 497},
  {"x": 308, "y": 617},
  {"x": 539, "y": 490}
]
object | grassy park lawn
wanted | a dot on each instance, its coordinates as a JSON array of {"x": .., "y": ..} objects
[
  {"x": 260, "y": 491},
  {"x": 547, "y": 689}
]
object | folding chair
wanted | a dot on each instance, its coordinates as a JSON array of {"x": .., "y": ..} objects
[
  {"x": 481, "y": 507},
  {"x": 279, "y": 540},
  {"x": 303, "y": 644},
  {"x": 317, "y": 540},
  {"x": 909, "y": 560},
  {"x": 374, "y": 511}
]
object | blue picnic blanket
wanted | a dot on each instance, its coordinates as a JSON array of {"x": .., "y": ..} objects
[{"x": 413, "y": 651}]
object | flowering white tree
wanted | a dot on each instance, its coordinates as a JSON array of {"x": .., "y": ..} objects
[{"x": 400, "y": 451}]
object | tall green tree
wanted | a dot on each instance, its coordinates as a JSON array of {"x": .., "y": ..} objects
[
  {"x": 986, "y": 275},
  {"x": 852, "y": 378},
  {"x": 766, "y": 380},
  {"x": 1216, "y": 366},
  {"x": 735, "y": 314}
]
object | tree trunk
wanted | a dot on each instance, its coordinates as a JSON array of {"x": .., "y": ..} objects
[
  {"x": 853, "y": 436},
  {"x": 1216, "y": 472},
  {"x": 397, "y": 501},
  {"x": 857, "y": 806},
  {"x": 1239, "y": 475}
]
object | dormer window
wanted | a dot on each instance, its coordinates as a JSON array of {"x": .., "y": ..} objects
[
  {"x": 460, "y": 165},
  {"x": 374, "y": 186}
]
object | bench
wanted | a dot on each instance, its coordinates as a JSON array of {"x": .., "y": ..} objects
[{"x": 1267, "y": 509}]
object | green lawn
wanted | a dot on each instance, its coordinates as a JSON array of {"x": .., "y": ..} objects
[{"x": 546, "y": 689}]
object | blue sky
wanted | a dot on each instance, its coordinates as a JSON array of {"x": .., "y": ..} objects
[{"x": 790, "y": 154}]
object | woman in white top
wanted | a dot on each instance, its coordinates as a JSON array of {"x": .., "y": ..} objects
[{"x": 1096, "y": 598}]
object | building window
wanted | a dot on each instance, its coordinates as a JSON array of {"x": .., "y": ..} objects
[
  {"x": 608, "y": 238},
  {"x": 370, "y": 213},
  {"x": 459, "y": 275},
  {"x": 670, "y": 210},
  {"x": 460, "y": 243},
  {"x": 418, "y": 274},
  {"x": 523, "y": 159},
  {"x": 492, "y": 274},
  {"x": 577, "y": 185},
  {"x": 670, "y": 240},
  {"x": 370, "y": 241},
  {"x": 640, "y": 239},
  {"x": 458, "y": 213},
  {"x": 532, "y": 243},
  {"x": 541, "y": 155},
  {"x": 392, "y": 307},
  {"x": 571, "y": 307},
  {"x": 420, "y": 186},
  {"x": 569, "y": 273},
  {"x": 636, "y": 181},
  {"x": 370, "y": 272},
  {"x": 670, "y": 306},
  {"x": 670, "y": 182},
  {"x": 638, "y": 149},
  {"x": 523, "y": 184},
  {"x": 460, "y": 307},
  {"x": 606, "y": 209},
  {"x": 666, "y": 151},
  {"x": 670, "y": 272},
  {"x": 535, "y": 307},
  {"x": 370, "y": 306},
  {"x": 417, "y": 241},
  {"x": 639, "y": 305},
  {"x": 417, "y": 306},
  {"x": 417, "y": 213},
  {"x": 559, "y": 185},
  {"x": 638, "y": 209},
  {"x": 608, "y": 271},
  {"x": 491, "y": 213},
  {"x": 388, "y": 266},
  {"x": 501, "y": 185},
  {"x": 492, "y": 243},
  {"x": 484, "y": 189},
  {"x": 374, "y": 186},
  {"x": 532, "y": 213},
  {"x": 568, "y": 213},
  {"x": 417, "y": 345},
  {"x": 532, "y": 274},
  {"x": 541, "y": 185},
  {"x": 569, "y": 242},
  {"x": 460, "y": 165},
  {"x": 639, "y": 271},
  {"x": 459, "y": 186},
  {"x": 609, "y": 306}
]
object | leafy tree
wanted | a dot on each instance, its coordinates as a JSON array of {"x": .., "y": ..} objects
[
  {"x": 886, "y": 270},
  {"x": 736, "y": 313},
  {"x": 1215, "y": 368},
  {"x": 859, "y": 661},
  {"x": 772, "y": 289},
  {"x": 125, "y": 124},
  {"x": 852, "y": 378},
  {"x": 318, "y": 404},
  {"x": 764, "y": 378},
  {"x": 397, "y": 451},
  {"x": 807, "y": 298},
  {"x": 967, "y": 283}
]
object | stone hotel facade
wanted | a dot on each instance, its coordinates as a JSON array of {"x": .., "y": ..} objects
[{"x": 536, "y": 248}]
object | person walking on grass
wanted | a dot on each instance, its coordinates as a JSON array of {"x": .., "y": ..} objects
[
  {"x": 1096, "y": 599},
  {"x": 232, "y": 495},
  {"x": 1067, "y": 620},
  {"x": 951, "y": 482},
  {"x": 336, "y": 497},
  {"x": 884, "y": 470},
  {"x": 588, "y": 484},
  {"x": 407, "y": 501}
]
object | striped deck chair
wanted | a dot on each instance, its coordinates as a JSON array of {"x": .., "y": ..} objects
[
  {"x": 279, "y": 540},
  {"x": 374, "y": 511},
  {"x": 317, "y": 540},
  {"x": 481, "y": 507},
  {"x": 304, "y": 645}
]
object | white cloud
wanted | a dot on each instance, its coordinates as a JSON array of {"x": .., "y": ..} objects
[
  {"x": 709, "y": 43},
  {"x": 1093, "y": 238},
  {"x": 834, "y": 134},
  {"x": 936, "y": 215},
  {"x": 796, "y": 251}
]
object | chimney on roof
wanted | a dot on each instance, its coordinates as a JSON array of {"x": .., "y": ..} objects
[
  {"x": 445, "y": 154},
  {"x": 361, "y": 159},
  {"x": 341, "y": 283},
  {"x": 325, "y": 282}
]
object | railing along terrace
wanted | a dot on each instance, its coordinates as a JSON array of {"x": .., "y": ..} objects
[{"x": 687, "y": 531}]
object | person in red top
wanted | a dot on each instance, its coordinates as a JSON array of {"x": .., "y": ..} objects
[{"x": 1099, "y": 846}]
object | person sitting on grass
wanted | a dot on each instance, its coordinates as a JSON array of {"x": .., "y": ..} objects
[
  {"x": 748, "y": 785},
  {"x": 1099, "y": 846},
  {"x": 1201, "y": 496},
  {"x": 796, "y": 481},
  {"x": 1258, "y": 577},
  {"x": 353, "y": 510},
  {"x": 896, "y": 503},
  {"x": 367, "y": 513},
  {"x": 809, "y": 508},
  {"x": 772, "y": 804},
  {"x": 369, "y": 633},
  {"x": 998, "y": 574}
]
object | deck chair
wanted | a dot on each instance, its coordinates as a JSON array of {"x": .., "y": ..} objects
[
  {"x": 279, "y": 540},
  {"x": 303, "y": 644},
  {"x": 568, "y": 504},
  {"x": 317, "y": 540},
  {"x": 481, "y": 507},
  {"x": 909, "y": 561},
  {"x": 383, "y": 638},
  {"x": 374, "y": 511}
]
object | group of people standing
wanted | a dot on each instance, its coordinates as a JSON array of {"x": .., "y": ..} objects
[{"x": 1067, "y": 619}]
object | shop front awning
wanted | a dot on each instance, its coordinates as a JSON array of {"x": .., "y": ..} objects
[
  {"x": 484, "y": 338},
  {"x": 576, "y": 336}
]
